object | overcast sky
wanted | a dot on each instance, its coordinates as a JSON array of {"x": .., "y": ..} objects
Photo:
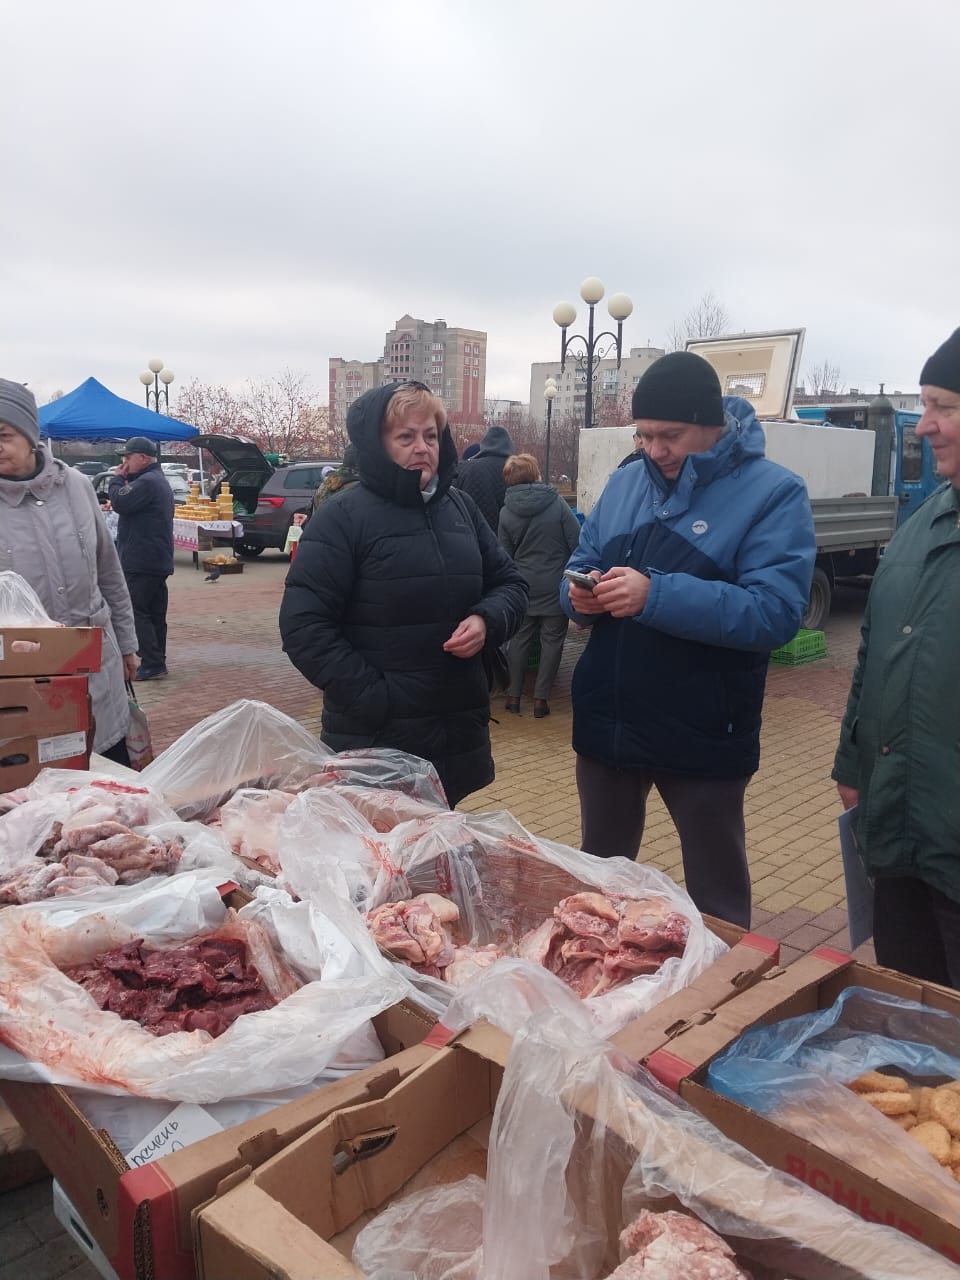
[{"x": 239, "y": 188}]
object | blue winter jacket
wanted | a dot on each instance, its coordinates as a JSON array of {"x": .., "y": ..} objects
[{"x": 729, "y": 549}]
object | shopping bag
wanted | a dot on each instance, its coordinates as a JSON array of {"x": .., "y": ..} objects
[
  {"x": 496, "y": 668},
  {"x": 139, "y": 744}
]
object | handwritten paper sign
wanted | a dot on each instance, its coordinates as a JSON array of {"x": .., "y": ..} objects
[{"x": 185, "y": 1124}]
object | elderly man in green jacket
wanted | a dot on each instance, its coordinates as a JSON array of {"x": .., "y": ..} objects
[{"x": 899, "y": 753}]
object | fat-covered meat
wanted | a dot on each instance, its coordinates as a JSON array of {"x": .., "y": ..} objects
[
  {"x": 674, "y": 1246},
  {"x": 251, "y": 819},
  {"x": 417, "y": 931}
]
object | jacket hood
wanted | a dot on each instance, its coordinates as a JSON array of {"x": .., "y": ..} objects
[
  {"x": 376, "y": 468},
  {"x": 529, "y": 499},
  {"x": 496, "y": 440}
]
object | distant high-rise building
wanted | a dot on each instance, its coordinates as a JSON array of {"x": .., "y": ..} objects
[
  {"x": 349, "y": 379},
  {"x": 451, "y": 362}
]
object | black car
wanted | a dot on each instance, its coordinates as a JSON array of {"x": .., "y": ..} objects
[{"x": 266, "y": 496}]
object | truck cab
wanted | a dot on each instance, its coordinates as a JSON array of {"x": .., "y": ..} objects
[{"x": 913, "y": 475}]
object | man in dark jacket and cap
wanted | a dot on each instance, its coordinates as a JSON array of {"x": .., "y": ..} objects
[
  {"x": 142, "y": 498},
  {"x": 397, "y": 587},
  {"x": 482, "y": 475}
]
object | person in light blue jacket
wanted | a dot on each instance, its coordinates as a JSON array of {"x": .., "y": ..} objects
[{"x": 702, "y": 552}]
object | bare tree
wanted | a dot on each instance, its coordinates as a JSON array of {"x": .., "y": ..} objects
[
  {"x": 708, "y": 319},
  {"x": 824, "y": 379},
  {"x": 213, "y": 410}
]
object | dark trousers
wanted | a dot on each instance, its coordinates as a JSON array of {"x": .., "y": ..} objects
[
  {"x": 118, "y": 753},
  {"x": 553, "y": 632},
  {"x": 708, "y": 815},
  {"x": 148, "y": 593},
  {"x": 916, "y": 930}
]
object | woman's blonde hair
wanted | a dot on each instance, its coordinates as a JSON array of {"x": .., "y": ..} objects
[
  {"x": 521, "y": 468},
  {"x": 414, "y": 397}
]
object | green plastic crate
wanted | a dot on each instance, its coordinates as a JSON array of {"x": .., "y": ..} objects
[{"x": 806, "y": 646}]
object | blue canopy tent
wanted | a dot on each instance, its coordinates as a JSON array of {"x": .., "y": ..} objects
[{"x": 91, "y": 412}]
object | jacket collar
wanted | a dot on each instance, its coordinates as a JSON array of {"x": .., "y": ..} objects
[{"x": 39, "y": 487}]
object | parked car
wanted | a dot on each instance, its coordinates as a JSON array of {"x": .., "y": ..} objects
[
  {"x": 91, "y": 468},
  {"x": 178, "y": 483},
  {"x": 268, "y": 496}
]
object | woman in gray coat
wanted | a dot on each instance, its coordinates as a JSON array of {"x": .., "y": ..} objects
[
  {"x": 540, "y": 532},
  {"x": 53, "y": 534}
]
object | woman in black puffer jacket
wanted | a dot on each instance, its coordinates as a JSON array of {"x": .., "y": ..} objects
[{"x": 396, "y": 587}]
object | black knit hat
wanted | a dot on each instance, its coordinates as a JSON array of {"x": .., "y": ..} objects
[
  {"x": 680, "y": 387},
  {"x": 943, "y": 367}
]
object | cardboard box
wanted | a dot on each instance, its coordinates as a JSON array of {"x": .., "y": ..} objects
[
  {"x": 69, "y": 1219},
  {"x": 299, "y": 1213},
  {"x": 811, "y": 983},
  {"x": 140, "y": 1218},
  {"x": 63, "y": 651},
  {"x": 19, "y": 1163},
  {"x": 43, "y": 721}
]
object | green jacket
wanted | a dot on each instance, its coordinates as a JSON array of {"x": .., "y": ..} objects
[{"x": 900, "y": 740}]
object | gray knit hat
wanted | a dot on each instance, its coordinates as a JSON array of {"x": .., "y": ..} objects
[{"x": 18, "y": 408}]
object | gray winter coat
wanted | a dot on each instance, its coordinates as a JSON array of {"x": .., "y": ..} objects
[
  {"x": 53, "y": 534},
  {"x": 540, "y": 532}
]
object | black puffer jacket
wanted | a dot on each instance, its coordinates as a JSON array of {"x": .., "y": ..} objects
[
  {"x": 482, "y": 475},
  {"x": 380, "y": 581},
  {"x": 144, "y": 503}
]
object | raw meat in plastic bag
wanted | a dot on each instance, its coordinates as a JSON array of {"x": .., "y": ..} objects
[
  {"x": 386, "y": 768},
  {"x": 434, "y": 1234},
  {"x": 54, "y": 1032},
  {"x": 505, "y": 883}
]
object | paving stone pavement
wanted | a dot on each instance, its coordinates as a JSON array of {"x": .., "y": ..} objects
[{"x": 224, "y": 644}]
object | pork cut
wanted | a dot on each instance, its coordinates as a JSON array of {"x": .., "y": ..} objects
[
  {"x": 674, "y": 1246},
  {"x": 415, "y": 931},
  {"x": 598, "y": 941}
]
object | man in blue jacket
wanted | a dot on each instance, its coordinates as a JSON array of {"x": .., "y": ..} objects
[
  {"x": 702, "y": 553},
  {"x": 143, "y": 499}
]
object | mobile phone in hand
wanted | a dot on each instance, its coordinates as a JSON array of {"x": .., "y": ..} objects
[{"x": 582, "y": 580}]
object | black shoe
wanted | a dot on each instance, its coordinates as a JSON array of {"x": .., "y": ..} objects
[
  {"x": 540, "y": 708},
  {"x": 146, "y": 673}
]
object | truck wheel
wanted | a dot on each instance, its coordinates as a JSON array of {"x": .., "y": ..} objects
[
  {"x": 249, "y": 549},
  {"x": 818, "y": 606}
]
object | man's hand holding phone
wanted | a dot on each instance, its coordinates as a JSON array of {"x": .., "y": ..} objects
[
  {"x": 621, "y": 592},
  {"x": 582, "y": 587}
]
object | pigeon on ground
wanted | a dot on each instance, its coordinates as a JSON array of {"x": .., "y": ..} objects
[{"x": 213, "y": 575}]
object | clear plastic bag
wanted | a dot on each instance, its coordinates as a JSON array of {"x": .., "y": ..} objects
[
  {"x": 795, "y": 1072},
  {"x": 506, "y": 882},
  {"x": 20, "y": 605},
  {"x": 247, "y": 744},
  {"x": 578, "y": 1148},
  {"x": 384, "y": 768},
  {"x": 57, "y": 1033}
]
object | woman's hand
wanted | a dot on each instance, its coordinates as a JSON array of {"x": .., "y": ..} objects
[
  {"x": 129, "y": 666},
  {"x": 468, "y": 638}
]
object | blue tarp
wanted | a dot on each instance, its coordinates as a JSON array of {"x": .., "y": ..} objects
[{"x": 91, "y": 412}]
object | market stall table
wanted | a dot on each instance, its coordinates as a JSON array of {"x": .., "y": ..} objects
[{"x": 205, "y": 535}]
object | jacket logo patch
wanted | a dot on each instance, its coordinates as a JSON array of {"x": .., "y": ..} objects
[{"x": 699, "y": 526}]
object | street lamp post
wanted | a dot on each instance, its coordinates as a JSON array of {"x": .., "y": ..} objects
[
  {"x": 152, "y": 381},
  {"x": 564, "y": 314},
  {"x": 550, "y": 390}
]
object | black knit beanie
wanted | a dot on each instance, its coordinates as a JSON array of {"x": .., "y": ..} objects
[
  {"x": 943, "y": 367},
  {"x": 680, "y": 387}
]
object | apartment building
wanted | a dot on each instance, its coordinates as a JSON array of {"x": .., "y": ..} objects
[
  {"x": 452, "y": 362},
  {"x": 611, "y": 390},
  {"x": 349, "y": 379}
]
